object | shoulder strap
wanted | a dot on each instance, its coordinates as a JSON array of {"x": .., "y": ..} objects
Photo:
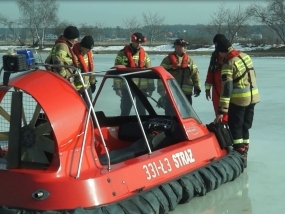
[
  {"x": 184, "y": 63},
  {"x": 129, "y": 55},
  {"x": 247, "y": 71},
  {"x": 173, "y": 60},
  {"x": 83, "y": 65},
  {"x": 90, "y": 61},
  {"x": 141, "y": 62}
]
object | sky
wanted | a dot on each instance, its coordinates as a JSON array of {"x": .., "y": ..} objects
[{"x": 114, "y": 13}]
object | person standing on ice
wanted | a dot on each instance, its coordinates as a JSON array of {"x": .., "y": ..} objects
[
  {"x": 62, "y": 53},
  {"x": 183, "y": 69},
  {"x": 213, "y": 78},
  {"x": 83, "y": 51},
  {"x": 134, "y": 56},
  {"x": 239, "y": 94}
]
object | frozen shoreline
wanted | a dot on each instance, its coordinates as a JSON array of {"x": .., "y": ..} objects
[{"x": 261, "y": 51}]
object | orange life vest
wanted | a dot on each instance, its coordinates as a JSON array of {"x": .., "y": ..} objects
[
  {"x": 84, "y": 67},
  {"x": 232, "y": 54},
  {"x": 74, "y": 60},
  {"x": 128, "y": 52},
  {"x": 174, "y": 61}
]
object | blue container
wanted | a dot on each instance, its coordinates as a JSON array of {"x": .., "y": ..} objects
[{"x": 30, "y": 60}]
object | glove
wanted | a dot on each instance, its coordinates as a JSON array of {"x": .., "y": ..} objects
[
  {"x": 197, "y": 92},
  {"x": 225, "y": 118},
  {"x": 93, "y": 88},
  {"x": 162, "y": 93},
  {"x": 81, "y": 90},
  {"x": 208, "y": 95},
  {"x": 119, "y": 92},
  {"x": 70, "y": 79}
]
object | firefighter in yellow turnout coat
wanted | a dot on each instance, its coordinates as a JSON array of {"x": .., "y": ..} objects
[
  {"x": 183, "y": 69},
  {"x": 83, "y": 51},
  {"x": 239, "y": 94},
  {"x": 62, "y": 53},
  {"x": 134, "y": 56}
]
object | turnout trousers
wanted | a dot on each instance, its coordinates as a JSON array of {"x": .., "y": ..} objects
[
  {"x": 240, "y": 120},
  {"x": 126, "y": 104}
]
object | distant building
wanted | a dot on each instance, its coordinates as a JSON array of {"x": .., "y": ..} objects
[
  {"x": 50, "y": 36},
  {"x": 116, "y": 39},
  {"x": 242, "y": 39},
  {"x": 256, "y": 36}
]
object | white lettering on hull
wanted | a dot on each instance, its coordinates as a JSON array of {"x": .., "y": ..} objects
[
  {"x": 164, "y": 166},
  {"x": 155, "y": 169},
  {"x": 183, "y": 158}
]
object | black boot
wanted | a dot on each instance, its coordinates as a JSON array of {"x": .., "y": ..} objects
[{"x": 242, "y": 148}]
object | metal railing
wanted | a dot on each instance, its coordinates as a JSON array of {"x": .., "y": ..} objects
[
  {"x": 91, "y": 108},
  {"x": 122, "y": 76}
]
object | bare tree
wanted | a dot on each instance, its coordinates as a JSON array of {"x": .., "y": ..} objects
[
  {"x": 153, "y": 25},
  {"x": 228, "y": 22},
  {"x": 96, "y": 30},
  {"x": 236, "y": 21},
  {"x": 218, "y": 20},
  {"x": 120, "y": 33},
  {"x": 59, "y": 27},
  {"x": 273, "y": 15},
  {"x": 99, "y": 30},
  {"x": 86, "y": 30},
  {"x": 132, "y": 25},
  {"x": 38, "y": 16},
  {"x": 12, "y": 25}
]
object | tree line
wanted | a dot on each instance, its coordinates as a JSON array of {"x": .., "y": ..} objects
[{"x": 39, "y": 16}]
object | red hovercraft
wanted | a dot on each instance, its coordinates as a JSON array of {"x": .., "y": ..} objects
[{"x": 59, "y": 156}]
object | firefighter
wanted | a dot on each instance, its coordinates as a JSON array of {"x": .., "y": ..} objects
[
  {"x": 239, "y": 94},
  {"x": 62, "y": 53},
  {"x": 213, "y": 78},
  {"x": 83, "y": 51},
  {"x": 183, "y": 69},
  {"x": 134, "y": 56}
]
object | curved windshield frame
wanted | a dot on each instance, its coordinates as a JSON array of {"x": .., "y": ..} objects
[
  {"x": 110, "y": 103},
  {"x": 184, "y": 107}
]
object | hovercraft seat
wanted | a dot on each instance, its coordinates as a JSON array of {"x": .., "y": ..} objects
[
  {"x": 160, "y": 133},
  {"x": 131, "y": 131},
  {"x": 137, "y": 148}
]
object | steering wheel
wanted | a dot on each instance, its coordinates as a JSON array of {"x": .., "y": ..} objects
[{"x": 160, "y": 124}]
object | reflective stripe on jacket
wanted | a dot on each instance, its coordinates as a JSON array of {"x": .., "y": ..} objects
[
  {"x": 85, "y": 64},
  {"x": 187, "y": 77},
  {"x": 122, "y": 59},
  {"x": 62, "y": 54},
  {"x": 242, "y": 92},
  {"x": 213, "y": 78}
]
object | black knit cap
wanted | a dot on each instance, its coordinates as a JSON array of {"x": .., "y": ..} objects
[
  {"x": 218, "y": 36},
  {"x": 87, "y": 42},
  {"x": 181, "y": 42},
  {"x": 139, "y": 37},
  {"x": 223, "y": 45},
  {"x": 71, "y": 32}
]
